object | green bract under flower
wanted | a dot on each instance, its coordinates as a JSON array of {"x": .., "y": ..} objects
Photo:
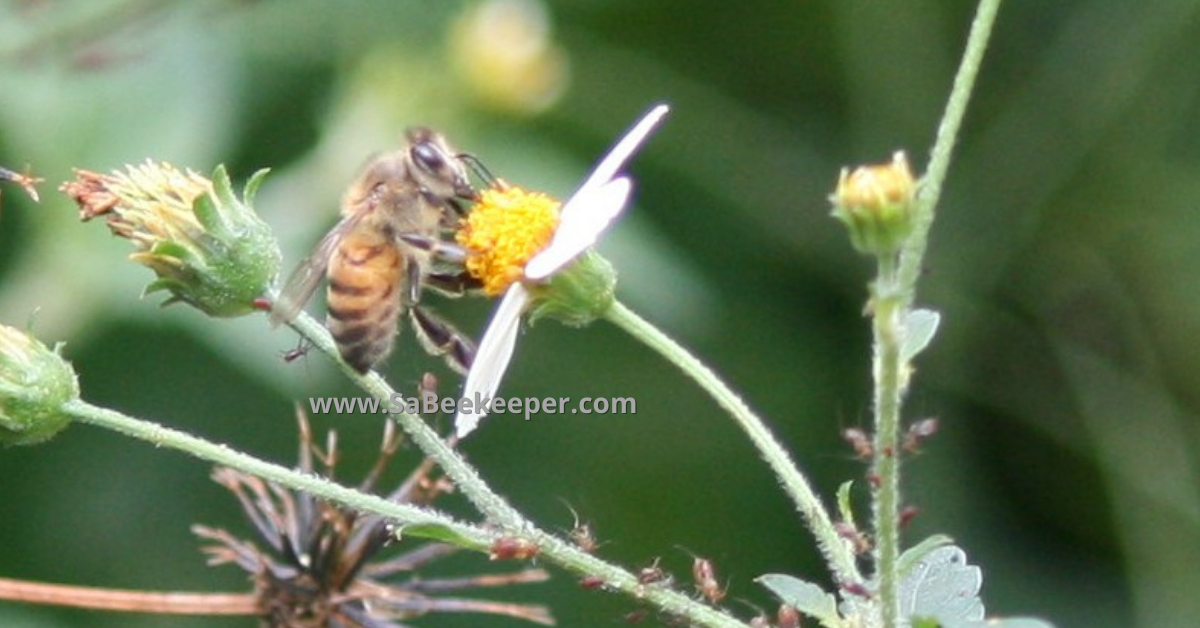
[
  {"x": 35, "y": 382},
  {"x": 578, "y": 294},
  {"x": 208, "y": 248}
]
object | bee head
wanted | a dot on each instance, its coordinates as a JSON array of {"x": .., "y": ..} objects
[{"x": 437, "y": 167}]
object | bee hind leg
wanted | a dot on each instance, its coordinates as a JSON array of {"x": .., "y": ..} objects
[{"x": 439, "y": 337}]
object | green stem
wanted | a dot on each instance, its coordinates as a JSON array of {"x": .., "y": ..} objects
[
  {"x": 466, "y": 479},
  {"x": 888, "y": 331},
  {"x": 893, "y": 294},
  {"x": 912, "y": 258},
  {"x": 835, "y": 549},
  {"x": 669, "y": 602}
]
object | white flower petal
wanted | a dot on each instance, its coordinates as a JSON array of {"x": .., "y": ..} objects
[
  {"x": 583, "y": 218},
  {"x": 596, "y": 209},
  {"x": 621, "y": 152},
  {"x": 595, "y": 204},
  {"x": 492, "y": 358}
]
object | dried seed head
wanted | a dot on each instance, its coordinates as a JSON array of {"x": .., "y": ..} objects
[{"x": 323, "y": 566}]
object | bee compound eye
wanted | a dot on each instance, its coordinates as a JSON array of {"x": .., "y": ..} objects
[{"x": 428, "y": 157}]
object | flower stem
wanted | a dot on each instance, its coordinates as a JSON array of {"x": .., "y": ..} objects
[
  {"x": 892, "y": 296},
  {"x": 888, "y": 330},
  {"x": 466, "y": 479},
  {"x": 913, "y": 255},
  {"x": 836, "y": 551},
  {"x": 669, "y": 602}
]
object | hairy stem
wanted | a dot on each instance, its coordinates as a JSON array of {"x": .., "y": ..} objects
[
  {"x": 835, "y": 549},
  {"x": 666, "y": 600},
  {"x": 913, "y": 256},
  {"x": 888, "y": 331},
  {"x": 893, "y": 294}
]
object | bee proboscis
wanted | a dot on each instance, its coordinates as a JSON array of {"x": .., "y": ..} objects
[{"x": 385, "y": 249}]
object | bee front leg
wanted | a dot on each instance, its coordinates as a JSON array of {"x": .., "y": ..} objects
[
  {"x": 441, "y": 338},
  {"x": 444, "y": 251},
  {"x": 452, "y": 284}
]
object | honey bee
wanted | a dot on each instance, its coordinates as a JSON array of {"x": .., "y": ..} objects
[{"x": 385, "y": 249}]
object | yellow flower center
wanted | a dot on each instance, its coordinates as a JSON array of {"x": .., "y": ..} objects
[{"x": 506, "y": 228}]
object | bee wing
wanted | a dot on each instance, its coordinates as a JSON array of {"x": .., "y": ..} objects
[{"x": 303, "y": 281}]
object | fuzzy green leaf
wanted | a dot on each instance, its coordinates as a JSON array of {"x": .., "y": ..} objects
[
  {"x": 843, "y": 502},
  {"x": 435, "y": 532},
  {"x": 944, "y": 587},
  {"x": 805, "y": 597},
  {"x": 922, "y": 325},
  {"x": 912, "y": 555}
]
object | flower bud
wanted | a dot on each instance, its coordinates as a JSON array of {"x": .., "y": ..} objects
[
  {"x": 505, "y": 52},
  {"x": 578, "y": 294},
  {"x": 877, "y": 204},
  {"x": 208, "y": 248},
  {"x": 35, "y": 382}
]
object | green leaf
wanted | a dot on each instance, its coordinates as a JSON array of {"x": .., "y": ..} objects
[
  {"x": 435, "y": 532},
  {"x": 805, "y": 597},
  {"x": 921, "y": 326},
  {"x": 944, "y": 587},
  {"x": 909, "y": 558},
  {"x": 843, "y": 502}
]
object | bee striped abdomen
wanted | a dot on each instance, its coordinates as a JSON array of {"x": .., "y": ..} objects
[{"x": 364, "y": 307}]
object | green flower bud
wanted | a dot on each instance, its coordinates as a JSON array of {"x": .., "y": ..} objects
[
  {"x": 35, "y": 382},
  {"x": 208, "y": 249},
  {"x": 576, "y": 295},
  {"x": 877, "y": 204}
]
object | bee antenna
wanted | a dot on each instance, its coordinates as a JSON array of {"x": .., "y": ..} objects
[{"x": 477, "y": 167}]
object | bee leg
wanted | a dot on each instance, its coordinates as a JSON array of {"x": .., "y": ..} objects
[
  {"x": 456, "y": 206},
  {"x": 415, "y": 280},
  {"x": 441, "y": 338},
  {"x": 452, "y": 284},
  {"x": 444, "y": 251}
]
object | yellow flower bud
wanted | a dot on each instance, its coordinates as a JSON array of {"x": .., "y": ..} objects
[{"x": 877, "y": 203}]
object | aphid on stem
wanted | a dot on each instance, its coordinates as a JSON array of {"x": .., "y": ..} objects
[
  {"x": 513, "y": 548},
  {"x": 918, "y": 432},
  {"x": 581, "y": 532},
  {"x": 859, "y": 442}
]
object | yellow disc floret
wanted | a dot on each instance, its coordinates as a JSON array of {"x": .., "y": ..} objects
[{"x": 506, "y": 228}]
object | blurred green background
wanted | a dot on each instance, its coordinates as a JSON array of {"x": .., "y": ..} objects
[{"x": 1064, "y": 262}]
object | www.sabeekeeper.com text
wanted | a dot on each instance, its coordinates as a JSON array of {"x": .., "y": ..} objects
[{"x": 429, "y": 403}]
